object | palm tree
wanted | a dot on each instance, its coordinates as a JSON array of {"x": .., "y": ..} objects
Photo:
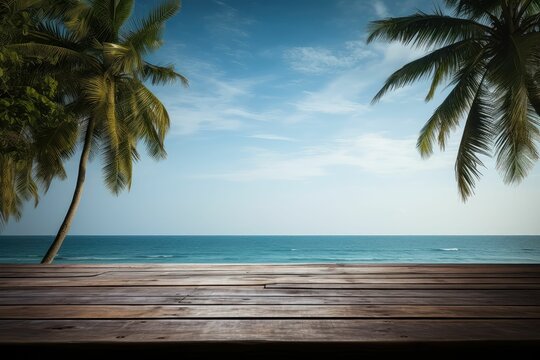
[
  {"x": 37, "y": 133},
  {"x": 103, "y": 58},
  {"x": 489, "y": 51}
]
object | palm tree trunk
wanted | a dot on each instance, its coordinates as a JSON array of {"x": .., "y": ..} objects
[{"x": 77, "y": 194}]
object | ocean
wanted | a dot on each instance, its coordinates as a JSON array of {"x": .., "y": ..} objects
[{"x": 275, "y": 249}]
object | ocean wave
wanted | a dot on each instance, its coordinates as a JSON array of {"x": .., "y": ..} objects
[
  {"x": 6, "y": 259},
  {"x": 89, "y": 258},
  {"x": 449, "y": 249},
  {"x": 157, "y": 256}
]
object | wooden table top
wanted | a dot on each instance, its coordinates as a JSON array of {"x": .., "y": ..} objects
[{"x": 207, "y": 306}]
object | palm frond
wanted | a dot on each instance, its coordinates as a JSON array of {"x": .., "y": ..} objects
[
  {"x": 146, "y": 33},
  {"x": 154, "y": 142},
  {"x": 78, "y": 18},
  {"x": 54, "y": 33},
  {"x": 152, "y": 119},
  {"x": 518, "y": 133},
  {"x": 122, "y": 11},
  {"x": 448, "y": 114},
  {"x": 475, "y": 9},
  {"x": 441, "y": 63},
  {"x": 114, "y": 132},
  {"x": 95, "y": 91},
  {"x": 57, "y": 9},
  {"x": 10, "y": 201},
  {"x": 534, "y": 7},
  {"x": 476, "y": 140},
  {"x": 426, "y": 30},
  {"x": 53, "y": 145},
  {"x": 533, "y": 92},
  {"x": 123, "y": 59},
  {"x": 51, "y": 53},
  {"x": 530, "y": 23},
  {"x": 127, "y": 155},
  {"x": 161, "y": 75},
  {"x": 113, "y": 168},
  {"x": 140, "y": 120},
  {"x": 102, "y": 22},
  {"x": 148, "y": 102},
  {"x": 25, "y": 186}
]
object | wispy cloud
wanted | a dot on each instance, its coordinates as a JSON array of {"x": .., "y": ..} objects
[
  {"x": 214, "y": 102},
  {"x": 227, "y": 22},
  {"x": 271, "y": 137},
  {"x": 231, "y": 30},
  {"x": 395, "y": 53},
  {"x": 339, "y": 96},
  {"x": 380, "y": 8},
  {"x": 358, "y": 67},
  {"x": 372, "y": 153},
  {"x": 218, "y": 101},
  {"x": 316, "y": 60}
]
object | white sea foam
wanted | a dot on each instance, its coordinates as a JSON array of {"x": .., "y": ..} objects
[
  {"x": 449, "y": 249},
  {"x": 89, "y": 258}
]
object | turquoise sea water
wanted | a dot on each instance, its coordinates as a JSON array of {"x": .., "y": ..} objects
[{"x": 276, "y": 249}]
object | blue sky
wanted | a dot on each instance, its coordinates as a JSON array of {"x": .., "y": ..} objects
[{"x": 276, "y": 135}]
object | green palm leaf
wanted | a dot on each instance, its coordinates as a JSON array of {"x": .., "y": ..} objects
[
  {"x": 517, "y": 127},
  {"x": 440, "y": 63},
  {"x": 477, "y": 139},
  {"x": 447, "y": 115},
  {"x": 505, "y": 55},
  {"x": 426, "y": 30},
  {"x": 98, "y": 57},
  {"x": 122, "y": 10},
  {"x": 146, "y": 33},
  {"x": 475, "y": 9},
  {"x": 162, "y": 75}
]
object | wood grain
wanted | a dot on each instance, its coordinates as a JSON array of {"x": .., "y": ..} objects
[{"x": 322, "y": 303}]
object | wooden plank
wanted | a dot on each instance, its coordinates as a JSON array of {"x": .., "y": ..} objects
[
  {"x": 318, "y": 272},
  {"x": 355, "y": 300},
  {"x": 47, "y": 274},
  {"x": 324, "y": 331},
  {"x": 264, "y": 300},
  {"x": 406, "y": 292},
  {"x": 267, "y": 311},
  {"x": 296, "y": 268},
  {"x": 349, "y": 286},
  {"x": 283, "y": 281},
  {"x": 174, "y": 291},
  {"x": 290, "y": 303},
  {"x": 406, "y": 277}
]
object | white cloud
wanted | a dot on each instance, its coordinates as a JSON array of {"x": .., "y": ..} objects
[
  {"x": 345, "y": 93},
  {"x": 211, "y": 103},
  {"x": 313, "y": 60},
  {"x": 248, "y": 115},
  {"x": 227, "y": 22},
  {"x": 317, "y": 102},
  {"x": 340, "y": 96},
  {"x": 230, "y": 30},
  {"x": 271, "y": 137},
  {"x": 316, "y": 60},
  {"x": 396, "y": 53},
  {"x": 371, "y": 153},
  {"x": 380, "y": 8},
  {"x": 218, "y": 102}
]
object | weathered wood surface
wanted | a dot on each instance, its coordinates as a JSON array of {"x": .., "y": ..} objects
[{"x": 200, "y": 304}]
